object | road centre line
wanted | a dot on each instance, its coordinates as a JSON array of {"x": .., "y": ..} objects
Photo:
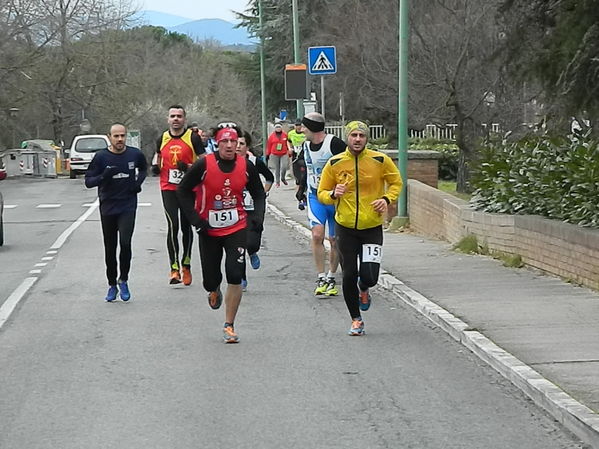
[
  {"x": 48, "y": 206},
  {"x": 9, "y": 305},
  {"x": 7, "y": 308},
  {"x": 65, "y": 235}
]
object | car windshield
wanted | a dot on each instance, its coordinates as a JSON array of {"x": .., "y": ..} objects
[{"x": 90, "y": 145}]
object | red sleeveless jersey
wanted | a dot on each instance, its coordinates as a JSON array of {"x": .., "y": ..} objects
[
  {"x": 173, "y": 150},
  {"x": 219, "y": 200}
]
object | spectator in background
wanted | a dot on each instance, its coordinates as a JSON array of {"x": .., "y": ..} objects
[
  {"x": 208, "y": 141},
  {"x": 295, "y": 141},
  {"x": 196, "y": 129},
  {"x": 276, "y": 149}
]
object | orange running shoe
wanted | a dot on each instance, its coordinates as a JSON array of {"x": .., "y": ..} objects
[
  {"x": 215, "y": 299},
  {"x": 186, "y": 275},
  {"x": 175, "y": 277},
  {"x": 229, "y": 335},
  {"x": 357, "y": 328}
]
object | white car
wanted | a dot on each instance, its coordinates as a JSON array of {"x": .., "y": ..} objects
[{"x": 82, "y": 151}]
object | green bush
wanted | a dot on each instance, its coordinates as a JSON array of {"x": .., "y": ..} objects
[
  {"x": 379, "y": 144},
  {"x": 448, "y": 163},
  {"x": 555, "y": 177}
]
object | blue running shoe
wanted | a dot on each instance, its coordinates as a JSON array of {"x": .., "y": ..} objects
[
  {"x": 357, "y": 328},
  {"x": 365, "y": 300},
  {"x": 255, "y": 261},
  {"x": 125, "y": 293},
  {"x": 229, "y": 334},
  {"x": 244, "y": 285},
  {"x": 112, "y": 292}
]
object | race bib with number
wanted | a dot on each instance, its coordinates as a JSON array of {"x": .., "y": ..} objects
[
  {"x": 371, "y": 252},
  {"x": 248, "y": 201},
  {"x": 223, "y": 218},
  {"x": 175, "y": 176},
  {"x": 314, "y": 180}
]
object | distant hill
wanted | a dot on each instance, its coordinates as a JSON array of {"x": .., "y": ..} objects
[
  {"x": 159, "y": 19},
  {"x": 199, "y": 30}
]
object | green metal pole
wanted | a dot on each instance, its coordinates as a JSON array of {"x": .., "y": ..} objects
[
  {"x": 299, "y": 104},
  {"x": 262, "y": 81},
  {"x": 402, "y": 116}
]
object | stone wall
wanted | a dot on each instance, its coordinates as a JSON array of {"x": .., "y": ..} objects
[
  {"x": 562, "y": 249},
  {"x": 423, "y": 165}
]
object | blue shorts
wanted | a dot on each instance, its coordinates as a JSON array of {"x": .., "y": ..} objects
[{"x": 321, "y": 214}]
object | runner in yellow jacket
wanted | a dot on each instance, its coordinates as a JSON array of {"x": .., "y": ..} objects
[{"x": 361, "y": 183}]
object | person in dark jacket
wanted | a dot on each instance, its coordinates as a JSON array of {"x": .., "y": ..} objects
[{"x": 118, "y": 172}]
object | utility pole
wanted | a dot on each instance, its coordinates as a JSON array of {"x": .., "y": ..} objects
[
  {"x": 299, "y": 104},
  {"x": 402, "y": 116},
  {"x": 262, "y": 80}
]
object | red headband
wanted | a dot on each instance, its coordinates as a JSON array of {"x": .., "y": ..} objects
[{"x": 226, "y": 134}]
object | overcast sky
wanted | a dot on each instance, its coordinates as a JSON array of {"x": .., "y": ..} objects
[{"x": 197, "y": 9}]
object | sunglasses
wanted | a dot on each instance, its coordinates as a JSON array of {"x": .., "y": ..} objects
[{"x": 226, "y": 125}]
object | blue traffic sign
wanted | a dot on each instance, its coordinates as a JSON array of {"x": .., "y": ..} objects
[{"x": 322, "y": 60}]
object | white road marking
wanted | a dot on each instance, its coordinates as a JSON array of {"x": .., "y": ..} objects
[
  {"x": 41, "y": 264},
  {"x": 87, "y": 204},
  {"x": 65, "y": 235},
  {"x": 10, "y": 206},
  {"x": 9, "y": 305},
  {"x": 144, "y": 204},
  {"x": 48, "y": 206}
]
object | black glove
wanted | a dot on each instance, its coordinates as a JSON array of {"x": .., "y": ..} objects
[
  {"x": 109, "y": 172},
  {"x": 182, "y": 166},
  {"x": 267, "y": 157},
  {"x": 201, "y": 226},
  {"x": 155, "y": 170},
  {"x": 135, "y": 189}
]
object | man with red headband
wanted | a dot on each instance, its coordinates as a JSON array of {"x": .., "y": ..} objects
[{"x": 211, "y": 194}]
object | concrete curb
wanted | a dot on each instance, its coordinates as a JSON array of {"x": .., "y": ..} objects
[{"x": 573, "y": 415}]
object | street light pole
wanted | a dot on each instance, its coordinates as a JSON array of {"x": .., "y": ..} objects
[
  {"x": 262, "y": 80},
  {"x": 299, "y": 104},
  {"x": 13, "y": 113},
  {"x": 402, "y": 116}
]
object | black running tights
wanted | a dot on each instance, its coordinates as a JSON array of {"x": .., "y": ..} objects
[
  {"x": 349, "y": 247},
  {"x": 174, "y": 216},
  {"x": 117, "y": 229},
  {"x": 211, "y": 255}
]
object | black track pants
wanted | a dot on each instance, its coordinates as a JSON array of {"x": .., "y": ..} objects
[{"x": 117, "y": 229}]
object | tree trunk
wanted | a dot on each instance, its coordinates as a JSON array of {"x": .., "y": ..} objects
[{"x": 466, "y": 141}]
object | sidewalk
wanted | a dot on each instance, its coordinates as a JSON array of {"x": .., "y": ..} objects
[{"x": 538, "y": 331}]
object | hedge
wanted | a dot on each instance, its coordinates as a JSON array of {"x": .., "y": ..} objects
[{"x": 555, "y": 177}]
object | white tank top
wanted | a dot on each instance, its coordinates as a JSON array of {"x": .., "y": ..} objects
[{"x": 316, "y": 160}]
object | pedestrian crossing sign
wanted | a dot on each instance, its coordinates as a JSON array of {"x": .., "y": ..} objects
[{"x": 322, "y": 60}]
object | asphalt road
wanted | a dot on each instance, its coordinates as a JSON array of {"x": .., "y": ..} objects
[{"x": 153, "y": 373}]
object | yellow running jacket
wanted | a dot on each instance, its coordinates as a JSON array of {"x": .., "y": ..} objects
[{"x": 369, "y": 176}]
